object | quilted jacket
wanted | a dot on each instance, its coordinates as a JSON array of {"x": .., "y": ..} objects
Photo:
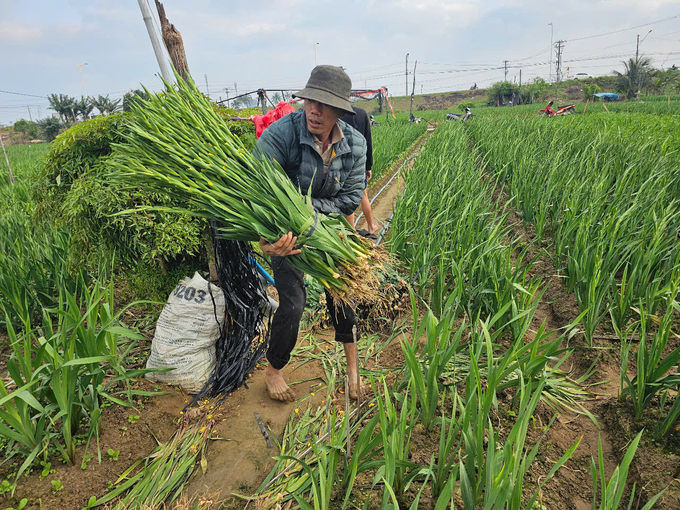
[{"x": 289, "y": 143}]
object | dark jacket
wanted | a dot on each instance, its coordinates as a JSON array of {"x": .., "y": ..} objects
[
  {"x": 361, "y": 123},
  {"x": 291, "y": 145}
]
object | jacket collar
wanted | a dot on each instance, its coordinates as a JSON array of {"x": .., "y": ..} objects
[{"x": 306, "y": 137}]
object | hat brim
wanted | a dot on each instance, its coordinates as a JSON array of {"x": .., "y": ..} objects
[{"x": 325, "y": 97}]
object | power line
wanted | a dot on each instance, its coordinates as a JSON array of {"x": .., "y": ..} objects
[
  {"x": 22, "y": 94},
  {"x": 624, "y": 29}
]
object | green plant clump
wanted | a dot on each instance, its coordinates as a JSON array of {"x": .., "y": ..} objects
[{"x": 73, "y": 190}]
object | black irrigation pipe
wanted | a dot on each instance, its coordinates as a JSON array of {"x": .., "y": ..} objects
[
  {"x": 244, "y": 335},
  {"x": 388, "y": 183}
]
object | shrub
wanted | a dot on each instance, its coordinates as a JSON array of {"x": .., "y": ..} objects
[
  {"x": 590, "y": 89},
  {"x": 500, "y": 91},
  {"x": 73, "y": 191},
  {"x": 465, "y": 104},
  {"x": 49, "y": 128},
  {"x": 27, "y": 127}
]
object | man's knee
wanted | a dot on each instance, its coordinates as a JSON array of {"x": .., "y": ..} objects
[{"x": 292, "y": 304}]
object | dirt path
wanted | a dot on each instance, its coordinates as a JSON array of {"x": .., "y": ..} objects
[
  {"x": 383, "y": 205},
  {"x": 240, "y": 462}
]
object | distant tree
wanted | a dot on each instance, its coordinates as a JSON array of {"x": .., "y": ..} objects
[
  {"x": 243, "y": 102},
  {"x": 82, "y": 108},
  {"x": 499, "y": 91},
  {"x": 637, "y": 74},
  {"x": 277, "y": 98},
  {"x": 49, "y": 128},
  {"x": 590, "y": 89},
  {"x": 63, "y": 105},
  {"x": 27, "y": 127},
  {"x": 104, "y": 105},
  {"x": 287, "y": 96},
  {"x": 130, "y": 97},
  {"x": 665, "y": 81}
]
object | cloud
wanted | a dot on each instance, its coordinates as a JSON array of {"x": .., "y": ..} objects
[{"x": 13, "y": 32}]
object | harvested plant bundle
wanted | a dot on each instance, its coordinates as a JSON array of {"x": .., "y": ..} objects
[
  {"x": 178, "y": 145},
  {"x": 164, "y": 473}
]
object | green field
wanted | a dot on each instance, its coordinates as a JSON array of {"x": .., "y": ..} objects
[{"x": 540, "y": 321}]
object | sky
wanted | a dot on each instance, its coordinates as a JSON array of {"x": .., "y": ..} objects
[{"x": 245, "y": 45}]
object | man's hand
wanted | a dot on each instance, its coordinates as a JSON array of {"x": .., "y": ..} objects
[
  {"x": 368, "y": 175},
  {"x": 281, "y": 248}
]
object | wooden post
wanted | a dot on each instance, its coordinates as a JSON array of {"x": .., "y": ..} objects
[
  {"x": 586, "y": 106},
  {"x": 9, "y": 168},
  {"x": 173, "y": 43},
  {"x": 605, "y": 107}
]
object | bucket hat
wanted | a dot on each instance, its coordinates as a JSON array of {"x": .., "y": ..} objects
[{"x": 328, "y": 85}]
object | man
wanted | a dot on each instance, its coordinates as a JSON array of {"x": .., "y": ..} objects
[
  {"x": 360, "y": 122},
  {"x": 326, "y": 158}
]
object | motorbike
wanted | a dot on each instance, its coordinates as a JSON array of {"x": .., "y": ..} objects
[
  {"x": 567, "y": 109},
  {"x": 457, "y": 116}
]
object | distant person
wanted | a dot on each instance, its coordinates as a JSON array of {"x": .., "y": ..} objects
[{"x": 361, "y": 123}]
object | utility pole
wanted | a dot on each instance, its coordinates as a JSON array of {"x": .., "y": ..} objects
[
  {"x": 158, "y": 50},
  {"x": 11, "y": 176},
  {"x": 520, "y": 77},
  {"x": 551, "y": 49},
  {"x": 413, "y": 90},
  {"x": 406, "y": 76},
  {"x": 235, "y": 89},
  {"x": 558, "y": 70},
  {"x": 29, "y": 113},
  {"x": 206, "y": 84},
  {"x": 226, "y": 89},
  {"x": 505, "y": 67},
  {"x": 637, "y": 47}
]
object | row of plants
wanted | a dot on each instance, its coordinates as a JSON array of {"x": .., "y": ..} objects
[
  {"x": 390, "y": 141},
  {"x": 606, "y": 191},
  {"x": 453, "y": 234},
  {"x": 332, "y": 456}
]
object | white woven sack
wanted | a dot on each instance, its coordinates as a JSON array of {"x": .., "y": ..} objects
[{"x": 186, "y": 333}]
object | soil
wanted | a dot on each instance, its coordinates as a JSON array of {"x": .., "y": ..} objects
[
  {"x": 158, "y": 416},
  {"x": 444, "y": 101},
  {"x": 238, "y": 464}
]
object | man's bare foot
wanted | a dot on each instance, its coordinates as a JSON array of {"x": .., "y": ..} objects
[
  {"x": 276, "y": 385},
  {"x": 374, "y": 227},
  {"x": 353, "y": 387}
]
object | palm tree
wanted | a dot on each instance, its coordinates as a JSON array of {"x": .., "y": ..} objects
[
  {"x": 63, "y": 105},
  {"x": 83, "y": 108},
  {"x": 113, "y": 106},
  {"x": 100, "y": 103},
  {"x": 104, "y": 104},
  {"x": 636, "y": 75}
]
